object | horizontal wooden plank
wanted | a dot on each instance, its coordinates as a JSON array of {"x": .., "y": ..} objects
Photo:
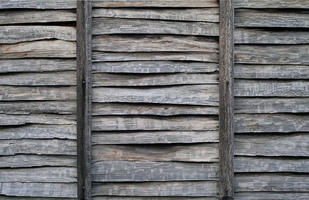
[
  {"x": 272, "y": 182},
  {"x": 263, "y": 164},
  {"x": 151, "y": 198},
  {"x": 39, "y": 49},
  {"x": 140, "y": 26},
  {"x": 151, "y": 43},
  {"x": 271, "y": 4},
  {"x": 36, "y": 65},
  {"x": 39, "y": 132},
  {"x": 104, "y": 79},
  {"x": 197, "y": 14},
  {"x": 271, "y": 105},
  {"x": 270, "y": 88},
  {"x": 124, "y": 171},
  {"x": 23, "y": 161},
  {"x": 271, "y": 71},
  {"x": 153, "y": 67},
  {"x": 280, "y": 123},
  {"x": 267, "y": 18},
  {"x": 36, "y": 198},
  {"x": 42, "y": 147},
  {"x": 271, "y": 54},
  {"x": 39, "y": 79},
  {"x": 262, "y": 36},
  {"x": 16, "y": 34},
  {"x": 156, "y": 3},
  {"x": 43, "y": 175},
  {"x": 38, "y": 4},
  {"x": 154, "y": 123},
  {"x": 202, "y": 188},
  {"x": 150, "y": 109},
  {"x": 156, "y": 56},
  {"x": 273, "y": 145},
  {"x": 192, "y": 95},
  {"x": 271, "y": 196},
  {"x": 10, "y": 93},
  {"x": 52, "y": 107},
  {"x": 157, "y": 137},
  {"x": 39, "y": 189},
  {"x": 42, "y": 16},
  {"x": 155, "y": 153}
]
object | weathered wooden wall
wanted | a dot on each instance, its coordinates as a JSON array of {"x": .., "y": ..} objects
[
  {"x": 37, "y": 100},
  {"x": 272, "y": 90}
]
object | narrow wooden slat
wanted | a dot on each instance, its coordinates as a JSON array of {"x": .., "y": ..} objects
[
  {"x": 38, "y": 4},
  {"x": 271, "y": 195},
  {"x": 271, "y": 4},
  {"x": 34, "y": 198},
  {"x": 151, "y": 198}
]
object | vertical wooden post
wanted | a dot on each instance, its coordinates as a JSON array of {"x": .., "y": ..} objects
[
  {"x": 83, "y": 53},
  {"x": 226, "y": 100}
]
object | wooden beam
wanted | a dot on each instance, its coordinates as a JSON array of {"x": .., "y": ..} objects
[
  {"x": 83, "y": 53},
  {"x": 226, "y": 133}
]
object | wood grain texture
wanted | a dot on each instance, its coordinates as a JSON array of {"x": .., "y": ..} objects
[
  {"x": 152, "y": 198},
  {"x": 188, "y": 14},
  {"x": 124, "y": 171},
  {"x": 271, "y": 196},
  {"x": 129, "y": 26},
  {"x": 271, "y": 4},
  {"x": 34, "y": 198},
  {"x": 38, "y": 4},
  {"x": 156, "y": 153},
  {"x": 201, "y": 188}
]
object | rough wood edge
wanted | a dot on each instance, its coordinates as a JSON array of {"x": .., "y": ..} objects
[
  {"x": 84, "y": 21},
  {"x": 226, "y": 101}
]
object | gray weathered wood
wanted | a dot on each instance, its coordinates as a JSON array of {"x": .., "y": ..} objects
[
  {"x": 44, "y": 147},
  {"x": 43, "y": 175},
  {"x": 197, "y": 14},
  {"x": 155, "y": 153},
  {"x": 271, "y": 105},
  {"x": 113, "y": 26},
  {"x": 16, "y": 34},
  {"x": 124, "y": 171},
  {"x": 150, "y": 198},
  {"x": 151, "y": 123},
  {"x": 37, "y": 198},
  {"x": 271, "y": 4},
  {"x": 271, "y": 196},
  {"x": 279, "y": 123},
  {"x": 191, "y": 95},
  {"x": 104, "y": 79},
  {"x": 153, "y": 67},
  {"x": 38, "y": 4},
  {"x": 273, "y": 145},
  {"x": 271, "y": 88}
]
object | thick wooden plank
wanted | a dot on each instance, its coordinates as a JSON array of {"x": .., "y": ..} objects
[
  {"x": 197, "y": 14},
  {"x": 150, "y": 109},
  {"x": 157, "y": 137},
  {"x": 39, "y": 189},
  {"x": 271, "y": 182},
  {"x": 270, "y": 88},
  {"x": 156, "y": 56},
  {"x": 271, "y": 196},
  {"x": 8, "y": 93},
  {"x": 271, "y": 105},
  {"x": 38, "y": 4},
  {"x": 273, "y": 145},
  {"x": 156, "y": 3},
  {"x": 271, "y": 54},
  {"x": 260, "y": 36},
  {"x": 191, "y": 95},
  {"x": 36, "y": 65},
  {"x": 124, "y": 171},
  {"x": 47, "y": 147},
  {"x": 262, "y": 164},
  {"x": 266, "y": 18},
  {"x": 104, "y": 79},
  {"x": 151, "y": 198},
  {"x": 154, "y": 123},
  {"x": 39, "y": 79},
  {"x": 271, "y": 71},
  {"x": 16, "y": 34},
  {"x": 202, "y": 188},
  {"x": 150, "y": 43},
  {"x": 23, "y": 161},
  {"x": 43, "y": 175},
  {"x": 271, "y": 4},
  {"x": 42, "y": 16},
  {"x": 39, "y": 132},
  {"x": 39, "y": 49},
  {"x": 153, "y": 67},
  {"x": 129, "y": 26},
  {"x": 277, "y": 123},
  {"x": 155, "y": 153}
]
